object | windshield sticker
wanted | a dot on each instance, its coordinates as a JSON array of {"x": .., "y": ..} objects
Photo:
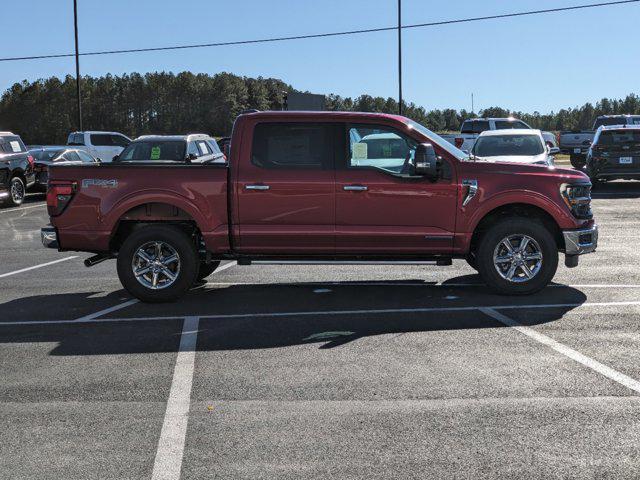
[
  {"x": 360, "y": 151},
  {"x": 155, "y": 153},
  {"x": 15, "y": 146}
]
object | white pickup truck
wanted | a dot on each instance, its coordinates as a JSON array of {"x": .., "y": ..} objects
[
  {"x": 102, "y": 145},
  {"x": 473, "y": 127}
]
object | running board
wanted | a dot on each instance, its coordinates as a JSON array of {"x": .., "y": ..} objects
[{"x": 441, "y": 263}]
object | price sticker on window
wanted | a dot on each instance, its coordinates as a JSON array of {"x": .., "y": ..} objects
[
  {"x": 15, "y": 146},
  {"x": 155, "y": 153},
  {"x": 360, "y": 151}
]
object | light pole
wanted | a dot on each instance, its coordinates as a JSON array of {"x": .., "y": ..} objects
[
  {"x": 400, "y": 57},
  {"x": 75, "y": 25}
]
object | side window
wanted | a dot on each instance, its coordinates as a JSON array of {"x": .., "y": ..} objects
[
  {"x": 101, "y": 140},
  {"x": 72, "y": 156},
  {"x": 204, "y": 148},
  {"x": 480, "y": 126},
  {"x": 293, "y": 146},
  {"x": 213, "y": 146},
  {"x": 381, "y": 147},
  {"x": 467, "y": 127},
  {"x": 119, "y": 140},
  {"x": 13, "y": 145},
  {"x": 85, "y": 157},
  {"x": 192, "y": 148},
  {"x": 509, "y": 125}
]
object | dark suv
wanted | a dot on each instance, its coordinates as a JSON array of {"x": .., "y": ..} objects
[
  {"x": 194, "y": 148},
  {"x": 16, "y": 170},
  {"x": 614, "y": 154}
]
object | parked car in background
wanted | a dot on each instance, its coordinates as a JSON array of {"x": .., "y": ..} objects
[
  {"x": 520, "y": 146},
  {"x": 473, "y": 127},
  {"x": 46, "y": 156},
  {"x": 102, "y": 145},
  {"x": 196, "y": 148},
  {"x": 322, "y": 187},
  {"x": 614, "y": 154},
  {"x": 16, "y": 170},
  {"x": 576, "y": 143}
]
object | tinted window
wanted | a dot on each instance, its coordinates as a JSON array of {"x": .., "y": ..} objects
[
  {"x": 12, "y": 145},
  {"x": 147, "y": 150},
  {"x": 72, "y": 157},
  {"x": 506, "y": 125},
  {"x": 381, "y": 147},
  {"x": 609, "y": 121},
  {"x": 119, "y": 140},
  {"x": 75, "y": 139},
  {"x": 467, "y": 127},
  {"x": 292, "y": 145},
  {"x": 214, "y": 146},
  {"x": 618, "y": 137},
  {"x": 475, "y": 126},
  {"x": 45, "y": 155},
  {"x": 101, "y": 140},
  {"x": 509, "y": 145}
]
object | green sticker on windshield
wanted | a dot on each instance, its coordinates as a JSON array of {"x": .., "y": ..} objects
[{"x": 155, "y": 153}]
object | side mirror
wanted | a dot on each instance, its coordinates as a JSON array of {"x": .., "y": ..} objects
[
  {"x": 115, "y": 158},
  {"x": 190, "y": 157},
  {"x": 98, "y": 160},
  {"x": 554, "y": 151},
  {"x": 426, "y": 161}
]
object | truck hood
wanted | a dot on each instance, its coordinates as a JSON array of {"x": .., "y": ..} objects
[{"x": 515, "y": 169}]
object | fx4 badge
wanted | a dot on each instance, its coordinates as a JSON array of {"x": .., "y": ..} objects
[{"x": 99, "y": 182}]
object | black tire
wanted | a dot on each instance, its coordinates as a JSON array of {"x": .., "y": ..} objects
[
  {"x": 206, "y": 269},
  {"x": 518, "y": 227},
  {"x": 578, "y": 161},
  {"x": 472, "y": 261},
  {"x": 175, "y": 239},
  {"x": 17, "y": 192}
]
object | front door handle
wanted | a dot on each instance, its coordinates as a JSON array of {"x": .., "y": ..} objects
[
  {"x": 257, "y": 187},
  {"x": 355, "y": 188}
]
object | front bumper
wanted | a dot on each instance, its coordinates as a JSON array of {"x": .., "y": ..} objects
[
  {"x": 49, "y": 237},
  {"x": 579, "y": 242}
]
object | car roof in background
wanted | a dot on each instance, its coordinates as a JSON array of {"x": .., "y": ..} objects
[
  {"x": 619, "y": 127},
  {"x": 50, "y": 147},
  {"x": 189, "y": 137},
  {"x": 514, "y": 131}
]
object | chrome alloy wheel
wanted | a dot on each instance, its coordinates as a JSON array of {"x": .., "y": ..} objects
[
  {"x": 17, "y": 190},
  {"x": 156, "y": 265},
  {"x": 517, "y": 258}
]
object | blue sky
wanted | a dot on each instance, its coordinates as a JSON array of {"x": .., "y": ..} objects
[{"x": 538, "y": 63}]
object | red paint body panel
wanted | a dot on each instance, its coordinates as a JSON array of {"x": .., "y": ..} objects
[{"x": 309, "y": 212}]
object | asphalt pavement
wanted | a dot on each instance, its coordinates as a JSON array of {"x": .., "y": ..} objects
[{"x": 346, "y": 372}]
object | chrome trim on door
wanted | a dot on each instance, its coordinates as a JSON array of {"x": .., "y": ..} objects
[
  {"x": 257, "y": 187},
  {"x": 355, "y": 188}
]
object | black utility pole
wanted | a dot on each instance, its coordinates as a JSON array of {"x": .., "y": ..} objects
[
  {"x": 75, "y": 25},
  {"x": 400, "y": 57}
]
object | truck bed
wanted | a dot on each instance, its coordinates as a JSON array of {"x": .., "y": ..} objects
[{"x": 107, "y": 194}]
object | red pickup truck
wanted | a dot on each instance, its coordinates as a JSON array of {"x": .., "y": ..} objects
[{"x": 321, "y": 187}]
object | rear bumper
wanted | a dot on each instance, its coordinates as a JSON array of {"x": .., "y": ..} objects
[
  {"x": 49, "y": 237},
  {"x": 579, "y": 242}
]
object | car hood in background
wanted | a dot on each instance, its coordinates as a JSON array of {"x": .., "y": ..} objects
[{"x": 535, "y": 159}]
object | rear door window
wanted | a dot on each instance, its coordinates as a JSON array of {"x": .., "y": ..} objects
[
  {"x": 293, "y": 146},
  {"x": 101, "y": 140},
  {"x": 481, "y": 126},
  {"x": 509, "y": 125},
  {"x": 119, "y": 140}
]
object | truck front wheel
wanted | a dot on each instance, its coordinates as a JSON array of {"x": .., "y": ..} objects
[
  {"x": 158, "y": 263},
  {"x": 517, "y": 257}
]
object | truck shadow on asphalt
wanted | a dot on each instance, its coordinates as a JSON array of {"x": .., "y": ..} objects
[{"x": 249, "y": 317}]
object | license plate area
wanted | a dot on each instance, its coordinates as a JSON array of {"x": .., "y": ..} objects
[{"x": 625, "y": 160}]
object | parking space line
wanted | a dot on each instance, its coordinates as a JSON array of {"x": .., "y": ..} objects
[
  {"x": 37, "y": 266},
  {"x": 115, "y": 308},
  {"x": 23, "y": 208},
  {"x": 588, "y": 362},
  {"x": 225, "y": 266},
  {"x": 168, "y": 460},
  {"x": 331, "y": 312}
]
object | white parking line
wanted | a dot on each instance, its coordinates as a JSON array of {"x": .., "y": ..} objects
[
  {"x": 115, "y": 308},
  {"x": 331, "y": 312},
  {"x": 168, "y": 461},
  {"x": 594, "y": 365},
  {"x": 37, "y": 266},
  {"x": 18, "y": 209},
  {"x": 225, "y": 266}
]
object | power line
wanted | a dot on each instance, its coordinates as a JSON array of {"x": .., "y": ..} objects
[{"x": 323, "y": 35}]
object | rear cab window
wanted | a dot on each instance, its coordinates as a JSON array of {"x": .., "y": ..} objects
[
  {"x": 293, "y": 145},
  {"x": 510, "y": 125},
  {"x": 154, "y": 150},
  {"x": 475, "y": 126}
]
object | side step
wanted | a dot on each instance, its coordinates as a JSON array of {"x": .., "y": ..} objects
[{"x": 444, "y": 262}]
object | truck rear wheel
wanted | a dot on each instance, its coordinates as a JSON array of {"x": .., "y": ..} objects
[
  {"x": 158, "y": 263},
  {"x": 517, "y": 257}
]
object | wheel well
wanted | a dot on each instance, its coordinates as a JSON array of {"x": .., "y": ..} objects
[
  {"x": 522, "y": 210},
  {"x": 153, "y": 214}
]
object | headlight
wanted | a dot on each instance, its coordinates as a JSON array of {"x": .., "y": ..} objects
[{"x": 578, "y": 199}]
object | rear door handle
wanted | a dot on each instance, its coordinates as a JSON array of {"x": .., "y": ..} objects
[
  {"x": 355, "y": 188},
  {"x": 257, "y": 187}
]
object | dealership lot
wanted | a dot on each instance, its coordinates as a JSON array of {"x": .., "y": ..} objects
[{"x": 323, "y": 371}]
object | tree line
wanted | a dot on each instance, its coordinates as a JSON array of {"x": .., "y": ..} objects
[{"x": 44, "y": 111}]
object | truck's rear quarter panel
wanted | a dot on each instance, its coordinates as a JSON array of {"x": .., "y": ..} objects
[{"x": 106, "y": 193}]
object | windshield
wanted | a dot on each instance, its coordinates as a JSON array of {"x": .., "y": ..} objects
[
  {"x": 438, "y": 140},
  {"x": 619, "y": 137},
  {"x": 508, "y": 145},
  {"x": 152, "y": 150}
]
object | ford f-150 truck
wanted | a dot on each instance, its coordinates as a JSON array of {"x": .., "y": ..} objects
[{"x": 322, "y": 187}]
